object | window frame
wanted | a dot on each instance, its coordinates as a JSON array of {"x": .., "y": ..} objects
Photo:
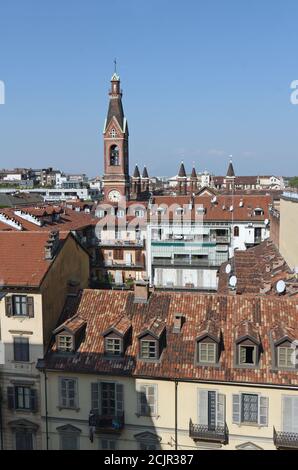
[
  {"x": 148, "y": 412},
  {"x": 24, "y": 397},
  {"x": 152, "y": 358},
  {"x": 199, "y": 352},
  {"x": 285, "y": 366},
  {"x": 249, "y": 364},
  {"x": 21, "y": 304},
  {"x": 112, "y": 351},
  {"x": 65, "y": 349},
  {"x": 69, "y": 435},
  {"x": 76, "y": 394},
  {"x": 21, "y": 340}
]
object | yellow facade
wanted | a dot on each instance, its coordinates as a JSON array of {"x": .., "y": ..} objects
[{"x": 288, "y": 240}]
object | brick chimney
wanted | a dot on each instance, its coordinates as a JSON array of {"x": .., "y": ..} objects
[
  {"x": 141, "y": 291},
  {"x": 178, "y": 322},
  {"x": 52, "y": 245}
]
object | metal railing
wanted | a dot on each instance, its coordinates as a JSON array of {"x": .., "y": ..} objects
[
  {"x": 122, "y": 243},
  {"x": 106, "y": 423},
  {"x": 185, "y": 262},
  {"x": 201, "y": 432},
  {"x": 285, "y": 440}
]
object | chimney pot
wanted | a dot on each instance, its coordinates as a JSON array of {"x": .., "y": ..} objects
[{"x": 141, "y": 291}]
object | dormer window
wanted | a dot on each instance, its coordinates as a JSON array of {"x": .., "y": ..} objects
[
  {"x": 285, "y": 356},
  {"x": 259, "y": 211},
  {"x": 113, "y": 346},
  {"x": 207, "y": 352},
  {"x": 65, "y": 343},
  {"x": 247, "y": 354},
  {"x": 248, "y": 345},
  {"x": 148, "y": 349}
]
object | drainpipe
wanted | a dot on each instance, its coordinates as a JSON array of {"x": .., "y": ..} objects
[
  {"x": 46, "y": 406},
  {"x": 176, "y": 414}
]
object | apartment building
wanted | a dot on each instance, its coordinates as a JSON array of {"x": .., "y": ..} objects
[
  {"x": 288, "y": 242},
  {"x": 122, "y": 363},
  {"x": 37, "y": 272},
  {"x": 188, "y": 238}
]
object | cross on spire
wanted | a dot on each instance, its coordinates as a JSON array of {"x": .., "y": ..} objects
[{"x": 115, "y": 65}]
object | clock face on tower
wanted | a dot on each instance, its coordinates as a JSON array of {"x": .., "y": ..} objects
[{"x": 114, "y": 196}]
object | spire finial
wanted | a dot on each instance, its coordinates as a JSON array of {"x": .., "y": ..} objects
[{"x": 115, "y": 65}]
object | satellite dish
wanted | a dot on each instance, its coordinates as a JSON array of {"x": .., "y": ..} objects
[
  {"x": 233, "y": 281},
  {"x": 228, "y": 268},
  {"x": 280, "y": 286},
  {"x": 266, "y": 221},
  {"x": 231, "y": 208}
]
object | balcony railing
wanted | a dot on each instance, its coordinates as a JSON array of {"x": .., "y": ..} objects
[
  {"x": 201, "y": 432},
  {"x": 106, "y": 423},
  {"x": 122, "y": 243},
  {"x": 285, "y": 440},
  {"x": 121, "y": 265},
  {"x": 185, "y": 262}
]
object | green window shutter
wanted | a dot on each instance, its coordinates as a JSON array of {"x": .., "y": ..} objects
[
  {"x": 263, "y": 411},
  {"x": 95, "y": 397},
  {"x": 30, "y": 307},
  {"x": 221, "y": 405},
  {"x": 236, "y": 418},
  {"x": 8, "y": 306},
  {"x": 242, "y": 355},
  {"x": 203, "y": 407}
]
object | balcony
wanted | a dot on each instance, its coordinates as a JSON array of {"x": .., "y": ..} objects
[
  {"x": 187, "y": 262},
  {"x": 122, "y": 243},
  {"x": 201, "y": 432},
  {"x": 111, "y": 264},
  {"x": 285, "y": 440},
  {"x": 106, "y": 423}
]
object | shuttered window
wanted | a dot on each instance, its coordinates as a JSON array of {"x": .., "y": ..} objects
[
  {"x": 207, "y": 352},
  {"x": 285, "y": 357},
  {"x": 68, "y": 393},
  {"x": 69, "y": 441},
  {"x": 250, "y": 408},
  {"x": 211, "y": 408},
  {"x": 148, "y": 349},
  {"x": 21, "y": 398},
  {"x": 147, "y": 400},
  {"x": 19, "y": 305},
  {"x": 107, "y": 444},
  {"x": 107, "y": 398},
  {"x": 113, "y": 346},
  {"x": 24, "y": 440},
  {"x": 290, "y": 414},
  {"x": 21, "y": 349}
]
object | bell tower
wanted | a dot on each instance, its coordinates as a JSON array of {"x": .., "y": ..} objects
[{"x": 115, "y": 136}]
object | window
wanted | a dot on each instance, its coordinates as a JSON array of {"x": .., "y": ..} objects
[
  {"x": 24, "y": 440},
  {"x": 147, "y": 445},
  {"x": 113, "y": 346},
  {"x": 68, "y": 393},
  {"x": 207, "y": 352},
  {"x": 148, "y": 349},
  {"x": 249, "y": 408},
  {"x": 139, "y": 213},
  {"x": 69, "y": 441},
  {"x": 236, "y": 231},
  {"x": 211, "y": 409},
  {"x": 114, "y": 155},
  {"x": 290, "y": 414},
  {"x": 113, "y": 133},
  {"x": 21, "y": 349},
  {"x": 147, "y": 400},
  {"x": 19, "y": 305},
  {"x": 65, "y": 343},
  {"x": 21, "y": 397},
  {"x": 107, "y": 398},
  {"x": 107, "y": 444},
  {"x": 285, "y": 356},
  {"x": 247, "y": 355}
]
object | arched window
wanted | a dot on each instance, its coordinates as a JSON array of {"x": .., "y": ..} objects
[
  {"x": 236, "y": 231},
  {"x": 114, "y": 155}
]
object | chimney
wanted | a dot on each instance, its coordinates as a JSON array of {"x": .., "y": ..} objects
[
  {"x": 178, "y": 322},
  {"x": 141, "y": 291},
  {"x": 52, "y": 245}
]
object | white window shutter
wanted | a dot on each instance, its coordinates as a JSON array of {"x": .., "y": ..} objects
[
  {"x": 96, "y": 397},
  {"x": 263, "y": 411},
  {"x": 237, "y": 408},
  {"x": 203, "y": 407},
  {"x": 220, "y": 415}
]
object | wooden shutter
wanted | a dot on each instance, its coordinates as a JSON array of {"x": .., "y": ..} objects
[
  {"x": 30, "y": 306},
  {"x": 95, "y": 397},
  {"x": 141, "y": 396},
  {"x": 8, "y": 306},
  {"x": 263, "y": 411},
  {"x": 236, "y": 408},
  {"x": 220, "y": 418},
  {"x": 11, "y": 402},
  {"x": 119, "y": 400},
  {"x": 290, "y": 414},
  {"x": 203, "y": 407},
  {"x": 33, "y": 399}
]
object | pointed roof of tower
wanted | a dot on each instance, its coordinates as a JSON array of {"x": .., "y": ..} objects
[
  {"x": 145, "y": 173},
  {"x": 136, "y": 173},
  {"x": 230, "y": 171},
  {"x": 182, "y": 172},
  {"x": 194, "y": 173}
]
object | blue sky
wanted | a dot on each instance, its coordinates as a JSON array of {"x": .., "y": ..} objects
[{"x": 201, "y": 80}]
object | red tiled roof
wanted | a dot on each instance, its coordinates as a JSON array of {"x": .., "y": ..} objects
[
  {"x": 101, "y": 308},
  {"x": 22, "y": 258}
]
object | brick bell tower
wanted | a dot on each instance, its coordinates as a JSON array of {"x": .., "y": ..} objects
[{"x": 115, "y": 136}]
